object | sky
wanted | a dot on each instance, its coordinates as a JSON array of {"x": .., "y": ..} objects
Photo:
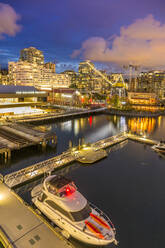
[{"x": 108, "y": 32}]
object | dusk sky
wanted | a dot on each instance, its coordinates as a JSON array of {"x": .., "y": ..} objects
[{"x": 67, "y": 31}]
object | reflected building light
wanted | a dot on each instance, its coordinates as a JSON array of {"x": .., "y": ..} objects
[
  {"x": 76, "y": 127},
  {"x": 82, "y": 122},
  {"x": 66, "y": 126},
  {"x": 159, "y": 121},
  {"x": 123, "y": 125},
  {"x": 102, "y": 132},
  {"x": 141, "y": 125}
]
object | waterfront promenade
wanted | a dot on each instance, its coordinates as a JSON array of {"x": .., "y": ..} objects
[
  {"x": 22, "y": 227},
  {"x": 54, "y": 116},
  {"x": 134, "y": 113}
]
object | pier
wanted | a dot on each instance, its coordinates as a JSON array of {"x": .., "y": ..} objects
[
  {"x": 141, "y": 139},
  {"x": 25, "y": 228},
  {"x": 55, "y": 116},
  {"x": 17, "y": 136}
]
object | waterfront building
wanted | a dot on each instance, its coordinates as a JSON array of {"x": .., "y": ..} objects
[
  {"x": 32, "y": 55},
  {"x": 65, "y": 96},
  {"x": 20, "y": 100},
  {"x": 152, "y": 81},
  {"x": 142, "y": 98}
]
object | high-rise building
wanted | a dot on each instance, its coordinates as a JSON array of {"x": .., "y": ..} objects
[
  {"x": 32, "y": 55},
  {"x": 31, "y": 74},
  {"x": 152, "y": 82},
  {"x": 24, "y": 73},
  {"x": 85, "y": 68},
  {"x": 50, "y": 66}
]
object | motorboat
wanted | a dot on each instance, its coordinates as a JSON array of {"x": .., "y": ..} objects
[
  {"x": 160, "y": 147},
  {"x": 59, "y": 200}
]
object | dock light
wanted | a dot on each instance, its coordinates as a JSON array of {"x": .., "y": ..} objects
[{"x": 1, "y": 197}]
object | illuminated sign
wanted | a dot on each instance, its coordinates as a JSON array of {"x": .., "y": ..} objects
[{"x": 30, "y": 92}]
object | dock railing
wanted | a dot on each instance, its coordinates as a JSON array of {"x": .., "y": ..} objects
[{"x": 102, "y": 214}]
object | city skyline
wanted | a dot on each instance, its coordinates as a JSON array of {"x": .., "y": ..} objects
[{"x": 60, "y": 29}]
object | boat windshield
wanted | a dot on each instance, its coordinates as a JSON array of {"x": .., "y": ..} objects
[
  {"x": 82, "y": 214},
  {"x": 62, "y": 192}
]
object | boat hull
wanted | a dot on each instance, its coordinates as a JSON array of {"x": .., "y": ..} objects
[{"x": 70, "y": 228}]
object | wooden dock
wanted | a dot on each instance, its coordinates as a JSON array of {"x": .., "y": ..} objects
[
  {"x": 141, "y": 139},
  {"x": 17, "y": 136},
  {"x": 22, "y": 227}
]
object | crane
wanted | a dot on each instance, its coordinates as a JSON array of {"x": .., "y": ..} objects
[{"x": 119, "y": 77}]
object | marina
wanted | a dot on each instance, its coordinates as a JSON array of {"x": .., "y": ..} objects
[{"x": 32, "y": 173}]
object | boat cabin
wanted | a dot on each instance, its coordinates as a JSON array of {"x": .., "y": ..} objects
[{"x": 60, "y": 186}]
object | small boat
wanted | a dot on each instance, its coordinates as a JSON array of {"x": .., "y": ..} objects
[
  {"x": 160, "y": 147},
  {"x": 59, "y": 199}
]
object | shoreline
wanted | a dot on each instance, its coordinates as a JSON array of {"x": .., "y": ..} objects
[{"x": 134, "y": 113}]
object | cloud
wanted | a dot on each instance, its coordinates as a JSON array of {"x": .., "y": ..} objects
[
  {"x": 8, "y": 21},
  {"x": 141, "y": 43}
]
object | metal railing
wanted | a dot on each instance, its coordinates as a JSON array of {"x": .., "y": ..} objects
[
  {"x": 40, "y": 168},
  {"x": 102, "y": 214}
]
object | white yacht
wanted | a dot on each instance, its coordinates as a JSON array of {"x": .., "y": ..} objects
[
  {"x": 59, "y": 199},
  {"x": 160, "y": 147}
]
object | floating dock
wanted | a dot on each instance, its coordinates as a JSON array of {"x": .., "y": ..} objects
[
  {"x": 141, "y": 139},
  {"x": 22, "y": 227},
  {"x": 90, "y": 155}
]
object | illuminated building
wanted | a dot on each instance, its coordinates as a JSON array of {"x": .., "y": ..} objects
[
  {"x": 89, "y": 79},
  {"x": 153, "y": 81},
  {"x": 65, "y": 96},
  {"x": 84, "y": 68},
  {"x": 24, "y": 73},
  {"x": 4, "y": 77},
  {"x": 31, "y": 74},
  {"x": 25, "y": 95},
  {"x": 32, "y": 55},
  {"x": 74, "y": 79},
  {"x": 142, "y": 98},
  {"x": 50, "y": 66}
]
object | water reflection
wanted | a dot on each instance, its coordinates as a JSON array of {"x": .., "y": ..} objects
[{"x": 142, "y": 125}]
